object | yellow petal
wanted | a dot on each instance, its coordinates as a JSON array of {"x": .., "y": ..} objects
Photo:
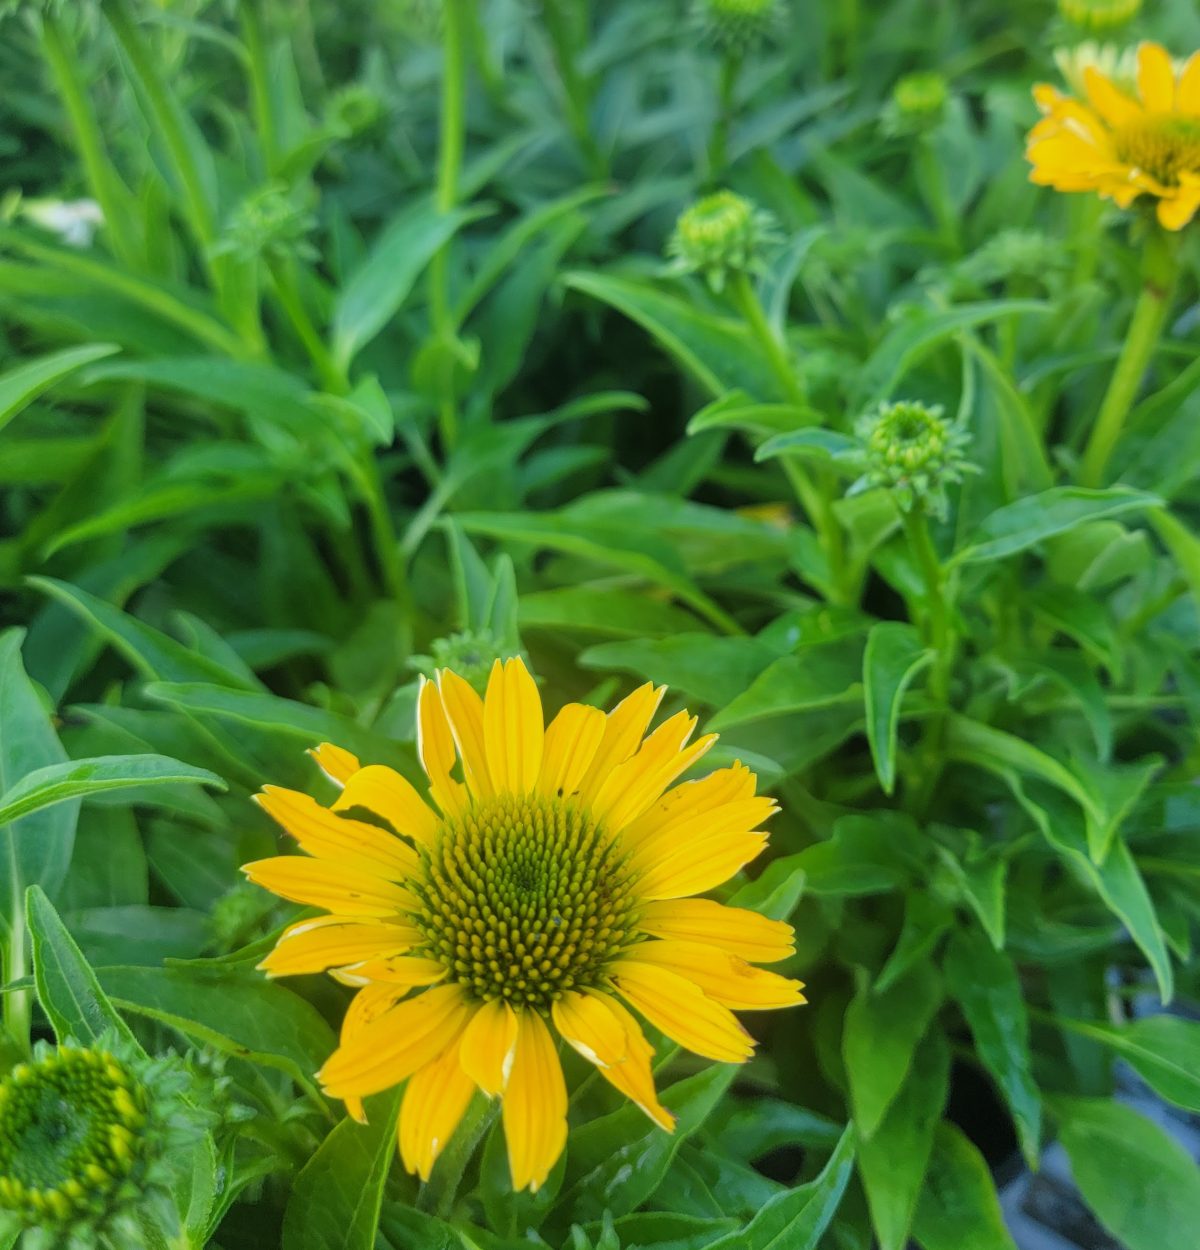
[
  {"x": 487, "y": 1046},
  {"x": 321, "y": 883},
  {"x": 705, "y": 864},
  {"x": 393, "y": 1046},
  {"x": 734, "y": 929},
  {"x": 337, "y": 764},
  {"x": 624, "y": 728},
  {"x": 1113, "y": 105},
  {"x": 367, "y": 1005},
  {"x": 535, "y": 1105},
  {"x": 513, "y": 727},
  {"x": 605, "y": 1034},
  {"x": 636, "y": 784},
  {"x": 1176, "y": 212},
  {"x": 350, "y": 843},
  {"x": 464, "y": 712},
  {"x": 434, "y": 1103},
  {"x": 332, "y": 941},
  {"x": 681, "y": 1010},
  {"x": 725, "y": 978},
  {"x": 435, "y": 749},
  {"x": 386, "y": 793},
  {"x": 572, "y": 739},
  {"x": 691, "y": 800},
  {"x": 1189, "y": 86},
  {"x": 409, "y": 971},
  {"x": 1155, "y": 78}
]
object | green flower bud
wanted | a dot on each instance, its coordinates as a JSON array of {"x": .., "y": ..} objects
[
  {"x": 1117, "y": 64},
  {"x": 268, "y": 223},
  {"x": 1026, "y": 256},
  {"x": 353, "y": 110},
  {"x": 736, "y": 27},
  {"x": 470, "y": 654},
  {"x": 85, "y": 1136},
  {"x": 1099, "y": 16},
  {"x": 238, "y": 917},
  {"x": 911, "y": 450},
  {"x": 721, "y": 235},
  {"x": 918, "y": 102}
]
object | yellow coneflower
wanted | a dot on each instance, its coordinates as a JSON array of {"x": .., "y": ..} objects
[
  {"x": 1120, "y": 146},
  {"x": 548, "y": 884}
]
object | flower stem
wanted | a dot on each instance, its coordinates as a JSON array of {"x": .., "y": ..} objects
[
  {"x": 287, "y": 290},
  {"x": 1160, "y": 271},
  {"x": 558, "y": 27},
  {"x": 452, "y": 141},
  {"x": 718, "y": 147},
  {"x": 18, "y": 1010},
  {"x": 260, "y": 81}
]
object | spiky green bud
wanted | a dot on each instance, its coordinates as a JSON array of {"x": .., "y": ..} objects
[
  {"x": 270, "y": 223},
  {"x": 85, "y": 1139},
  {"x": 918, "y": 102},
  {"x": 1099, "y": 16},
  {"x": 913, "y": 451},
  {"x": 736, "y": 27},
  {"x": 470, "y": 653},
  {"x": 721, "y": 235}
]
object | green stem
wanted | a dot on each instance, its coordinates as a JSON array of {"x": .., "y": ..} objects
[
  {"x": 751, "y": 307},
  {"x": 1160, "y": 272},
  {"x": 287, "y": 289},
  {"x": 260, "y": 82},
  {"x": 18, "y": 1008},
  {"x": 114, "y": 198},
  {"x": 1085, "y": 213},
  {"x": 939, "y": 634},
  {"x": 718, "y": 147},
  {"x": 452, "y": 141},
  {"x": 575, "y": 87}
]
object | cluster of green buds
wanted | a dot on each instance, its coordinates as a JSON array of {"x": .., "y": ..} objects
[
  {"x": 353, "y": 110},
  {"x": 269, "y": 223},
  {"x": 737, "y": 27},
  {"x": 911, "y": 450},
  {"x": 85, "y": 1139},
  {"x": 720, "y": 236},
  {"x": 917, "y": 104},
  {"x": 1026, "y": 257},
  {"x": 1099, "y": 16},
  {"x": 470, "y": 653},
  {"x": 239, "y": 916}
]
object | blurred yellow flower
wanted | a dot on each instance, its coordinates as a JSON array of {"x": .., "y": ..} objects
[
  {"x": 549, "y": 883},
  {"x": 1121, "y": 145}
]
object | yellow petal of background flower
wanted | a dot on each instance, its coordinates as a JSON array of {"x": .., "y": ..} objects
[
  {"x": 600, "y": 1030},
  {"x": 1188, "y": 90},
  {"x": 1113, "y": 105},
  {"x": 488, "y": 1041},
  {"x": 350, "y": 843},
  {"x": 335, "y": 762},
  {"x": 464, "y": 712},
  {"x": 386, "y": 793},
  {"x": 514, "y": 728},
  {"x": 572, "y": 739},
  {"x": 1155, "y": 78},
  {"x": 535, "y": 1105},
  {"x": 322, "y": 883},
  {"x": 333, "y": 941},
  {"x": 681, "y": 1010},
  {"x": 436, "y": 751},
  {"x": 393, "y": 1046},
  {"x": 435, "y": 1100},
  {"x": 735, "y": 929},
  {"x": 725, "y": 978}
]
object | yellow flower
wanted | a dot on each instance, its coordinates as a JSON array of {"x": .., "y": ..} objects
[
  {"x": 538, "y": 891},
  {"x": 1121, "y": 147}
]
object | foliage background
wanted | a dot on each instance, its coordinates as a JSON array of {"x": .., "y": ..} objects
[{"x": 327, "y": 388}]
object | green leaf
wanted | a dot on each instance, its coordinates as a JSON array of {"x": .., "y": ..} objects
[
  {"x": 381, "y": 283},
  {"x": 236, "y": 1010},
  {"x": 815, "y": 676},
  {"x": 67, "y": 988},
  {"x": 737, "y": 411},
  {"x": 22, "y": 385},
  {"x": 719, "y": 352},
  {"x": 958, "y": 1208},
  {"x": 1018, "y": 526},
  {"x": 985, "y": 982},
  {"x": 336, "y": 1199},
  {"x": 815, "y": 444},
  {"x": 893, "y": 1160},
  {"x": 893, "y": 657},
  {"x": 614, "y": 612},
  {"x": 797, "y": 1219},
  {"x": 704, "y": 668},
  {"x": 880, "y": 1036},
  {"x": 617, "y": 1162},
  {"x": 1163, "y": 1050},
  {"x": 1142, "y": 1184},
  {"x": 1183, "y": 544},
  {"x": 36, "y": 850},
  {"x": 57, "y": 783}
]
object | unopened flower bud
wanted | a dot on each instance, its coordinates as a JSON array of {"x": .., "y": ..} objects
[
  {"x": 719, "y": 236},
  {"x": 1099, "y": 16},
  {"x": 736, "y": 27}
]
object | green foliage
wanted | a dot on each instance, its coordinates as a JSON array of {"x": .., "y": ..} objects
[{"x": 334, "y": 351}]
